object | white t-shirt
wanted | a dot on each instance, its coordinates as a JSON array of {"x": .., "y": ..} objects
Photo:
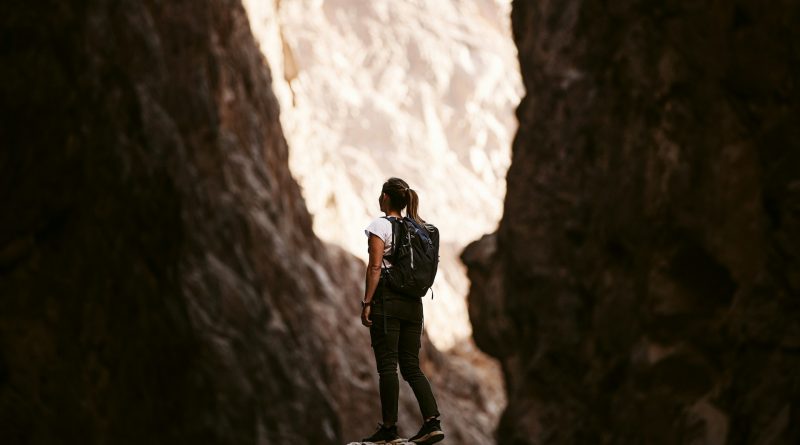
[{"x": 382, "y": 227}]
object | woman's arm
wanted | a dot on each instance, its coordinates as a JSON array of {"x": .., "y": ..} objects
[{"x": 373, "y": 275}]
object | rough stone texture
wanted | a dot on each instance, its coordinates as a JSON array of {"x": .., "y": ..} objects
[
  {"x": 159, "y": 278},
  {"x": 644, "y": 283}
]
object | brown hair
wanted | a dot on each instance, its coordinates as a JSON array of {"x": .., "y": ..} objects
[{"x": 402, "y": 196}]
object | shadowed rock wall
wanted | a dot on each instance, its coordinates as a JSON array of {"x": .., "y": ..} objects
[
  {"x": 153, "y": 242},
  {"x": 159, "y": 278},
  {"x": 644, "y": 283}
]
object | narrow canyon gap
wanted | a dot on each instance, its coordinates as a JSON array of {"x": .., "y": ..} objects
[{"x": 425, "y": 91}]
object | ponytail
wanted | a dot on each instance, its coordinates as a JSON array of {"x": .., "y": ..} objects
[{"x": 412, "y": 206}]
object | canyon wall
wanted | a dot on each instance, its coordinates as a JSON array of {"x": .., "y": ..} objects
[
  {"x": 644, "y": 283},
  {"x": 159, "y": 278}
]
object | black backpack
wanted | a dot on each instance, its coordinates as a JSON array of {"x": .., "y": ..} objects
[{"x": 414, "y": 257}]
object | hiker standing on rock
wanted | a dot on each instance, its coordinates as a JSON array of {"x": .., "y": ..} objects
[{"x": 403, "y": 258}]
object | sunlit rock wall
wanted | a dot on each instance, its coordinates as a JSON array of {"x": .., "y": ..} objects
[
  {"x": 644, "y": 284},
  {"x": 423, "y": 90},
  {"x": 159, "y": 278}
]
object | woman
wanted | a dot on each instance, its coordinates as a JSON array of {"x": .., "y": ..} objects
[{"x": 400, "y": 340}]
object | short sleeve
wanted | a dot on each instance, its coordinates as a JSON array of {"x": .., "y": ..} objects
[{"x": 380, "y": 227}]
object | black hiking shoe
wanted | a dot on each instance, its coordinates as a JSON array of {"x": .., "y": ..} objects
[
  {"x": 431, "y": 432},
  {"x": 384, "y": 435}
]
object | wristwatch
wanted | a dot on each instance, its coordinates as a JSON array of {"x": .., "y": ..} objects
[{"x": 365, "y": 303}]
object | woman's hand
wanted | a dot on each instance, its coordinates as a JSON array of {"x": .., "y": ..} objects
[{"x": 365, "y": 316}]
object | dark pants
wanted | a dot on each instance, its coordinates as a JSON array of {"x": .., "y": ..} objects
[{"x": 401, "y": 343}]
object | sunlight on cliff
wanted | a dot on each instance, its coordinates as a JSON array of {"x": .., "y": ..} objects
[{"x": 424, "y": 91}]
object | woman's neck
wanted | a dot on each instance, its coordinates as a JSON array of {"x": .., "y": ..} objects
[{"x": 394, "y": 213}]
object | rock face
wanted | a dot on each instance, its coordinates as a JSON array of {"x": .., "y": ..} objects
[
  {"x": 159, "y": 278},
  {"x": 148, "y": 288},
  {"x": 644, "y": 283}
]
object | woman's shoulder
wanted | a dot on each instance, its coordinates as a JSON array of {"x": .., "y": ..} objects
[{"x": 379, "y": 226}]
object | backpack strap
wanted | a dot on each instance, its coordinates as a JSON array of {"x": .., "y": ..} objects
[{"x": 394, "y": 240}]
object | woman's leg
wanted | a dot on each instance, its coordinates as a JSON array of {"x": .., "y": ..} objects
[
  {"x": 385, "y": 348},
  {"x": 408, "y": 354}
]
